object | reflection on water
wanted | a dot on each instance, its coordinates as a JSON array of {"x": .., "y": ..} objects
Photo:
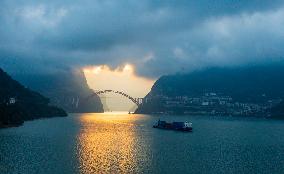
[
  {"x": 106, "y": 143},
  {"x": 123, "y": 143}
]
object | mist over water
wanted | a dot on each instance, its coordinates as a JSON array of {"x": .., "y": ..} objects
[{"x": 122, "y": 143}]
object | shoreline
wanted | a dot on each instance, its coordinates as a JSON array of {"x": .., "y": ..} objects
[
  {"x": 265, "y": 116},
  {"x": 3, "y": 126}
]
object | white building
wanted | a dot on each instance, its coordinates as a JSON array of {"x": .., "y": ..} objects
[
  {"x": 205, "y": 103},
  {"x": 12, "y": 100}
]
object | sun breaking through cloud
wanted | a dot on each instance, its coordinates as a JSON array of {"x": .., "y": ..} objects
[
  {"x": 44, "y": 36},
  {"x": 122, "y": 78}
]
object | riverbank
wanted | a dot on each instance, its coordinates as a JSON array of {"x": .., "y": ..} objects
[
  {"x": 16, "y": 114},
  {"x": 2, "y": 126}
]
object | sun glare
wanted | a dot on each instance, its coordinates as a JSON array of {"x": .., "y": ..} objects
[{"x": 128, "y": 67}]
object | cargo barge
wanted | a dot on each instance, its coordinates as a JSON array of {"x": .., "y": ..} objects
[{"x": 179, "y": 126}]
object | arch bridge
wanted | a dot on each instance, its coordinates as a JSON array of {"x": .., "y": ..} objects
[{"x": 137, "y": 101}]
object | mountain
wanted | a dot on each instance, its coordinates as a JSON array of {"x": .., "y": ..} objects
[
  {"x": 278, "y": 111},
  {"x": 68, "y": 89},
  {"x": 206, "y": 90},
  {"x": 18, "y": 103}
]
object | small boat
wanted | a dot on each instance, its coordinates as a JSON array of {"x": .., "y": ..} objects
[{"x": 179, "y": 126}]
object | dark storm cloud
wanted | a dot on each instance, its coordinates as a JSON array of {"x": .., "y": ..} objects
[{"x": 158, "y": 36}]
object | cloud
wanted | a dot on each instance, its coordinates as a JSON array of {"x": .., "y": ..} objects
[
  {"x": 158, "y": 37},
  {"x": 40, "y": 15}
]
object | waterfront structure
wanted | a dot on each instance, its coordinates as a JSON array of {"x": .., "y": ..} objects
[{"x": 212, "y": 104}]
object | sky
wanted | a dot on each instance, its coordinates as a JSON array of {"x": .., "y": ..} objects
[
  {"x": 157, "y": 37},
  {"x": 121, "y": 79}
]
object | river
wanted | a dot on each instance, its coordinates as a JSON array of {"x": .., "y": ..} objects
[{"x": 122, "y": 143}]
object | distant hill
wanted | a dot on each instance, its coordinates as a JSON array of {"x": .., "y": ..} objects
[
  {"x": 18, "y": 103},
  {"x": 68, "y": 90},
  {"x": 253, "y": 83},
  {"x": 248, "y": 84}
]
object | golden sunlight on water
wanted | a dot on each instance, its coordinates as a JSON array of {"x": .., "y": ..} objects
[{"x": 106, "y": 143}]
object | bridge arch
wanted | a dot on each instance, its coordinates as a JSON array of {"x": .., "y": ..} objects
[{"x": 136, "y": 101}]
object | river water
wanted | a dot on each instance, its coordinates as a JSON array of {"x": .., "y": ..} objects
[{"x": 122, "y": 143}]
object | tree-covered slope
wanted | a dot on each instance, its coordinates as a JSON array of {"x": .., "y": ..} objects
[
  {"x": 278, "y": 111},
  {"x": 251, "y": 83},
  {"x": 27, "y": 104},
  {"x": 248, "y": 84},
  {"x": 68, "y": 89}
]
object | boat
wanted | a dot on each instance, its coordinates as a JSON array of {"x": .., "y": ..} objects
[{"x": 179, "y": 126}]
